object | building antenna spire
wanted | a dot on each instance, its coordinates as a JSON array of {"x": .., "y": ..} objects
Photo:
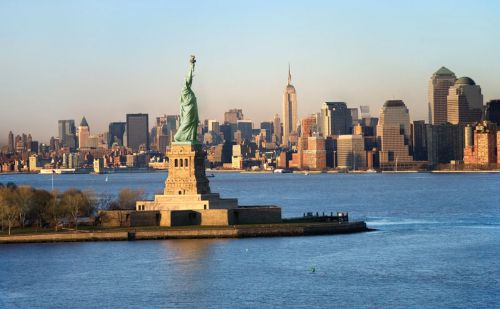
[{"x": 289, "y": 74}]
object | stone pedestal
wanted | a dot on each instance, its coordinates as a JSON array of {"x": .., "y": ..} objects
[
  {"x": 187, "y": 199},
  {"x": 187, "y": 186},
  {"x": 186, "y": 170}
]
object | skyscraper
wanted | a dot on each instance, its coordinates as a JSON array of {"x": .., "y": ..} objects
[
  {"x": 465, "y": 102},
  {"x": 11, "y": 145},
  {"x": 492, "y": 112},
  {"x": 233, "y": 115},
  {"x": 172, "y": 123},
  {"x": 245, "y": 127},
  {"x": 213, "y": 125},
  {"x": 351, "y": 152},
  {"x": 277, "y": 129},
  {"x": 354, "y": 116},
  {"x": 419, "y": 141},
  {"x": 289, "y": 110},
  {"x": 268, "y": 126},
  {"x": 439, "y": 84},
  {"x": 83, "y": 133},
  {"x": 116, "y": 132},
  {"x": 393, "y": 132},
  {"x": 336, "y": 119},
  {"x": 445, "y": 142},
  {"x": 67, "y": 133},
  {"x": 308, "y": 126},
  {"x": 137, "y": 131}
]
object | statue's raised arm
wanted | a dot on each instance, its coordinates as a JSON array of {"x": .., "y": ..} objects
[{"x": 188, "y": 127}]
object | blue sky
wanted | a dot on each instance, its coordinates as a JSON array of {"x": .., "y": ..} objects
[{"x": 103, "y": 59}]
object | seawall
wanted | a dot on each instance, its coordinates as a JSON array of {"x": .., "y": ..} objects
[{"x": 237, "y": 231}]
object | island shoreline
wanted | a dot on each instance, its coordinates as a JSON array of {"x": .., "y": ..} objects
[{"x": 193, "y": 232}]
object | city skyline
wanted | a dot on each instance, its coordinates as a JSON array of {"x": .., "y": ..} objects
[{"x": 66, "y": 61}]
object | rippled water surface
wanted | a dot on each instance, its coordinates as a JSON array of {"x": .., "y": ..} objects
[{"x": 437, "y": 245}]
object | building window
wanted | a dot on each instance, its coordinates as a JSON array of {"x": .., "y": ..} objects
[
  {"x": 186, "y": 162},
  {"x": 176, "y": 163},
  {"x": 181, "y": 162},
  {"x": 180, "y": 192}
]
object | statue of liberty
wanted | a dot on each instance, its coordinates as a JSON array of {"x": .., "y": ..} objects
[{"x": 188, "y": 128}]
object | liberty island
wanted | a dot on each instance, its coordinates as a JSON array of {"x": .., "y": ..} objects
[{"x": 187, "y": 198}]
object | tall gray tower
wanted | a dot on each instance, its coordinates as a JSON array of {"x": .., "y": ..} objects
[{"x": 439, "y": 84}]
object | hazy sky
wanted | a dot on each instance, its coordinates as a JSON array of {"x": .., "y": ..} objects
[{"x": 103, "y": 59}]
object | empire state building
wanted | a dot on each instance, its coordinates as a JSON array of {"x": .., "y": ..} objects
[{"x": 289, "y": 110}]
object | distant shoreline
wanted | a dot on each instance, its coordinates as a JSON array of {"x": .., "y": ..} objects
[{"x": 271, "y": 172}]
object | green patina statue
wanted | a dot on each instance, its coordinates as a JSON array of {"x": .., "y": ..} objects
[{"x": 188, "y": 128}]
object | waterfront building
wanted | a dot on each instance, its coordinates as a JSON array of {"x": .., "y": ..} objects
[
  {"x": 445, "y": 143},
  {"x": 245, "y": 127},
  {"x": 213, "y": 126},
  {"x": 33, "y": 147},
  {"x": 83, "y": 133},
  {"x": 233, "y": 115},
  {"x": 419, "y": 141},
  {"x": 336, "y": 119},
  {"x": 369, "y": 126},
  {"x": 227, "y": 132},
  {"x": 314, "y": 157},
  {"x": 116, "y": 133},
  {"x": 465, "y": 102},
  {"x": 365, "y": 111},
  {"x": 438, "y": 89},
  {"x": 289, "y": 110},
  {"x": 310, "y": 155},
  {"x": 481, "y": 143},
  {"x": 354, "y": 115},
  {"x": 172, "y": 124},
  {"x": 393, "y": 132},
  {"x": 357, "y": 129},
  {"x": 351, "y": 152},
  {"x": 277, "y": 129},
  {"x": 268, "y": 126},
  {"x": 492, "y": 112},
  {"x": 137, "y": 131},
  {"x": 308, "y": 126},
  {"x": 67, "y": 134},
  {"x": 11, "y": 145}
]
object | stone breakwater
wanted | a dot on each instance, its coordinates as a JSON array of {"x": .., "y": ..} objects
[{"x": 237, "y": 231}]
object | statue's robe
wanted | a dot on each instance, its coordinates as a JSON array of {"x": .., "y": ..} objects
[{"x": 188, "y": 127}]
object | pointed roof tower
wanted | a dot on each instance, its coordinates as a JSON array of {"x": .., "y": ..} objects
[
  {"x": 289, "y": 75},
  {"x": 444, "y": 71},
  {"x": 84, "y": 123}
]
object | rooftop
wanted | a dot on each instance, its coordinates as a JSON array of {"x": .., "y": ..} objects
[
  {"x": 444, "y": 71},
  {"x": 465, "y": 81},
  {"x": 84, "y": 122},
  {"x": 394, "y": 103}
]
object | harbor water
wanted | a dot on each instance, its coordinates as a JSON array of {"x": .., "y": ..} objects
[{"x": 437, "y": 245}]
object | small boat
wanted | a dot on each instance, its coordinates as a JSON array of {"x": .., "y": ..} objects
[
  {"x": 306, "y": 173},
  {"x": 211, "y": 175},
  {"x": 282, "y": 171}
]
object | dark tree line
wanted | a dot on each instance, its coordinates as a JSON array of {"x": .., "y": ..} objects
[{"x": 23, "y": 206}]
